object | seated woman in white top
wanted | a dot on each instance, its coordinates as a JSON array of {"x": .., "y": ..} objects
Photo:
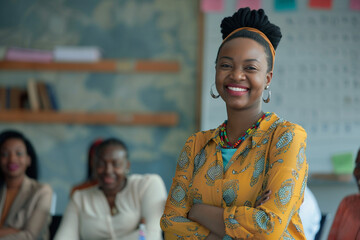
[
  {"x": 310, "y": 215},
  {"x": 115, "y": 207}
]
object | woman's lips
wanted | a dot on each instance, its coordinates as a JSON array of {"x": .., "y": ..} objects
[
  {"x": 237, "y": 91},
  {"x": 13, "y": 167},
  {"x": 108, "y": 180}
]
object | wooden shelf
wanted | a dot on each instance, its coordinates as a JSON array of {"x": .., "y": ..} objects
[
  {"x": 90, "y": 118},
  {"x": 330, "y": 179},
  {"x": 138, "y": 66}
]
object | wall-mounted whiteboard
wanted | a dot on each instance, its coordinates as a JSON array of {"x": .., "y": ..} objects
[{"x": 316, "y": 81}]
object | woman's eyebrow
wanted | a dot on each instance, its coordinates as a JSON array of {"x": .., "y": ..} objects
[
  {"x": 251, "y": 60},
  {"x": 226, "y": 57},
  {"x": 246, "y": 60}
]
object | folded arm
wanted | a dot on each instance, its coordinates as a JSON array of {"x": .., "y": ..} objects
[
  {"x": 38, "y": 220},
  {"x": 175, "y": 221}
]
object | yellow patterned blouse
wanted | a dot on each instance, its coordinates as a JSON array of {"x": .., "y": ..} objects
[{"x": 271, "y": 158}]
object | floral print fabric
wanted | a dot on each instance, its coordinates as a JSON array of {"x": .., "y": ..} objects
[{"x": 271, "y": 158}]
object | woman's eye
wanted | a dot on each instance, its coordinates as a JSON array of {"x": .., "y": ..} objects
[
  {"x": 250, "y": 68},
  {"x": 100, "y": 164},
  {"x": 225, "y": 65},
  {"x": 20, "y": 154},
  {"x": 117, "y": 164}
]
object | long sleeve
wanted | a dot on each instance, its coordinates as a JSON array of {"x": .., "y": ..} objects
[
  {"x": 174, "y": 220},
  {"x": 69, "y": 226},
  {"x": 285, "y": 175},
  {"x": 39, "y": 216},
  {"x": 152, "y": 205}
]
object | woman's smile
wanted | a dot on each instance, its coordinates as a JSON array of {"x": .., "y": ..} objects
[
  {"x": 13, "y": 167},
  {"x": 237, "y": 90},
  {"x": 109, "y": 179}
]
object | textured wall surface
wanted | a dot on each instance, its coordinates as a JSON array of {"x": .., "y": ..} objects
[{"x": 127, "y": 29}]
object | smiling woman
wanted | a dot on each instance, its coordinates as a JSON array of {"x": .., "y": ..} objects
[
  {"x": 117, "y": 206},
  {"x": 24, "y": 202},
  {"x": 246, "y": 178}
]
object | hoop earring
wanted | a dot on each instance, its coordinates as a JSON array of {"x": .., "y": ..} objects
[
  {"x": 212, "y": 93},
  {"x": 269, "y": 94}
]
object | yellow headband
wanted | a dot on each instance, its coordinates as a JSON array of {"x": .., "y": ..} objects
[{"x": 261, "y": 34}]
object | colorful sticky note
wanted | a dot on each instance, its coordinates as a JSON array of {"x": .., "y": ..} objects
[
  {"x": 252, "y": 4},
  {"x": 343, "y": 163},
  {"x": 355, "y": 5},
  {"x": 323, "y": 4},
  {"x": 285, "y": 5},
  {"x": 212, "y": 5}
]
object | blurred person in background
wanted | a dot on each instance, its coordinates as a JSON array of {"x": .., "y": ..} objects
[
  {"x": 310, "y": 215},
  {"x": 118, "y": 204},
  {"x": 24, "y": 202},
  {"x": 346, "y": 224}
]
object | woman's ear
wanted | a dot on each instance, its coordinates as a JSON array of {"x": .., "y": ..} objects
[{"x": 269, "y": 76}]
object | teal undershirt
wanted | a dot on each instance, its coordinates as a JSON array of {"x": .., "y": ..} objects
[{"x": 227, "y": 154}]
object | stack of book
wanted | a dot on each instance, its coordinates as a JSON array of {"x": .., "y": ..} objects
[
  {"x": 38, "y": 96},
  {"x": 41, "y": 96}
]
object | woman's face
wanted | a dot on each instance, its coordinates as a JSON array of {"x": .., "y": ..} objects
[
  {"x": 14, "y": 159},
  {"x": 241, "y": 73},
  {"x": 111, "y": 167},
  {"x": 357, "y": 170}
]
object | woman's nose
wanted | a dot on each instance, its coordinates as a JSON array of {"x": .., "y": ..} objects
[
  {"x": 238, "y": 74},
  {"x": 12, "y": 156},
  {"x": 109, "y": 168}
]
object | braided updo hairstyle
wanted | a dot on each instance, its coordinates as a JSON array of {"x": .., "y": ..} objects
[{"x": 245, "y": 17}]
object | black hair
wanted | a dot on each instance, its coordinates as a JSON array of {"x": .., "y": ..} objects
[
  {"x": 109, "y": 142},
  {"x": 245, "y": 17},
  {"x": 32, "y": 170},
  {"x": 91, "y": 152}
]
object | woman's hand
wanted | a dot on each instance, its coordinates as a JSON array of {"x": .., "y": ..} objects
[
  {"x": 212, "y": 236},
  {"x": 4, "y": 231},
  {"x": 263, "y": 199},
  {"x": 210, "y": 217}
]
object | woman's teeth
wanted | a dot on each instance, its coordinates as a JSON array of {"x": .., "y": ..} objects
[{"x": 237, "y": 89}]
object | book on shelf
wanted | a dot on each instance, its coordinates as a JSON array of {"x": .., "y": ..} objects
[
  {"x": 45, "y": 103},
  {"x": 27, "y": 54},
  {"x": 52, "y": 96},
  {"x": 33, "y": 95},
  {"x": 7, "y": 97},
  {"x": 47, "y": 98},
  {"x": 77, "y": 54},
  {"x": 24, "y": 99},
  {"x": 2, "y": 97},
  {"x": 13, "y": 98}
]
